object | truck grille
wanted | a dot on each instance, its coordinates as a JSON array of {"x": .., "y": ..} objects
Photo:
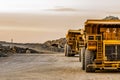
[{"x": 112, "y": 52}]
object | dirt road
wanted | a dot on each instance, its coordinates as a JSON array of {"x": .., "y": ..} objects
[{"x": 48, "y": 67}]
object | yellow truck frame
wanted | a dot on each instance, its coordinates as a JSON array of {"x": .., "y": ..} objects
[
  {"x": 74, "y": 42},
  {"x": 102, "y": 45}
]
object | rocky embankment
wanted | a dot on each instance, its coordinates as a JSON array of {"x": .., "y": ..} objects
[
  {"x": 54, "y": 45},
  {"x": 6, "y": 49}
]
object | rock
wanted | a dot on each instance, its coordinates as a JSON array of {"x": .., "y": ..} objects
[
  {"x": 6, "y": 50},
  {"x": 24, "y": 50},
  {"x": 55, "y": 45},
  {"x": 111, "y": 18}
]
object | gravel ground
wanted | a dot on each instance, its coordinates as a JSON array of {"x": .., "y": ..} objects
[{"x": 48, "y": 67}]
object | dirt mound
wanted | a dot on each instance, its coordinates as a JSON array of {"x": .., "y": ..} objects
[
  {"x": 24, "y": 50},
  {"x": 55, "y": 45},
  {"x": 6, "y": 50}
]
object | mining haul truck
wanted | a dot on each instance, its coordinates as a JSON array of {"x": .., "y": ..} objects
[
  {"x": 102, "y": 45},
  {"x": 74, "y": 41}
]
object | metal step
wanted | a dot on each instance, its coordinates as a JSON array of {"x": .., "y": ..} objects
[{"x": 99, "y": 50}]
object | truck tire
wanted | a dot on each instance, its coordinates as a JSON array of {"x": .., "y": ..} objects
[
  {"x": 88, "y": 60},
  {"x": 82, "y": 57},
  {"x": 68, "y": 51},
  {"x": 65, "y": 49},
  {"x": 81, "y": 53}
]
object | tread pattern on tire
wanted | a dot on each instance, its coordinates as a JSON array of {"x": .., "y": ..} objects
[
  {"x": 80, "y": 55},
  {"x": 88, "y": 60},
  {"x": 65, "y": 49},
  {"x": 82, "y": 58},
  {"x": 68, "y": 51}
]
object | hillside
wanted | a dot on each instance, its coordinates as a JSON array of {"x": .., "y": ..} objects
[{"x": 6, "y": 48}]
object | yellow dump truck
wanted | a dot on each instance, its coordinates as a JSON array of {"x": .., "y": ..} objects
[
  {"x": 74, "y": 41},
  {"x": 102, "y": 45}
]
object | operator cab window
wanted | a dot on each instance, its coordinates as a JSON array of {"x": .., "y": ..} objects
[{"x": 91, "y": 38}]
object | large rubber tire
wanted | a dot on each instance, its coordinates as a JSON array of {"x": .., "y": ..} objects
[
  {"x": 89, "y": 56},
  {"x": 65, "y": 49},
  {"x": 82, "y": 57},
  {"x": 68, "y": 51}
]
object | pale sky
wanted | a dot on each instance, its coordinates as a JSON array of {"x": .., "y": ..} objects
[{"x": 41, "y": 20}]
